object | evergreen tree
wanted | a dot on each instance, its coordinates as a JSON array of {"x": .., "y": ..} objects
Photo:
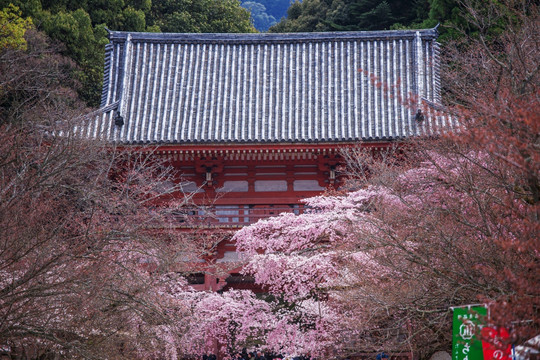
[
  {"x": 352, "y": 15},
  {"x": 80, "y": 26},
  {"x": 308, "y": 15},
  {"x": 199, "y": 16},
  {"x": 13, "y": 28},
  {"x": 370, "y": 14}
]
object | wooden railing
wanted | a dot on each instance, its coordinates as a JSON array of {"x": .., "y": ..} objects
[{"x": 233, "y": 215}]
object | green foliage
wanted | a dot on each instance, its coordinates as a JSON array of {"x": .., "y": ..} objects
[
  {"x": 74, "y": 30},
  {"x": 449, "y": 14},
  {"x": 28, "y": 8},
  {"x": 106, "y": 12},
  {"x": 133, "y": 19},
  {"x": 144, "y": 5},
  {"x": 200, "y": 16},
  {"x": 441, "y": 9},
  {"x": 372, "y": 15},
  {"x": 12, "y": 28},
  {"x": 295, "y": 11},
  {"x": 308, "y": 15},
  {"x": 354, "y": 15},
  {"x": 84, "y": 43},
  {"x": 350, "y": 15},
  {"x": 80, "y": 26}
]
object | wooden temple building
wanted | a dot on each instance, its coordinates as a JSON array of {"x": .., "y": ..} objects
[{"x": 255, "y": 122}]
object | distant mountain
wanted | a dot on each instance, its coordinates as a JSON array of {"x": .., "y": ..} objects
[{"x": 266, "y": 13}]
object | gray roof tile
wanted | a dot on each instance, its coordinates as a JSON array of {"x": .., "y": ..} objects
[{"x": 256, "y": 88}]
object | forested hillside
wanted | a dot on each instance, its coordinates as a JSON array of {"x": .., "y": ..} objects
[
  {"x": 80, "y": 26},
  {"x": 349, "y": 15},
  {"x": 265, "y": 13},
  {"x": 343, "y": 15}
]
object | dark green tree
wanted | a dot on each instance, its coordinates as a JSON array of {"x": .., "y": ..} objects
[
  {"x": 370, "y": 15},
  {"x": 80, "y": 26},
  {"x": 358, "y": 15},
  {"x": 199, "y": 16},
  {"x": 82, "y": 42},
  {"x": 352, "y": 15},
  {"x": 308, "y": 15}
]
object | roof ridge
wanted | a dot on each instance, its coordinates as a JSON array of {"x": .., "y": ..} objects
[{"x": 431, "y": 33}]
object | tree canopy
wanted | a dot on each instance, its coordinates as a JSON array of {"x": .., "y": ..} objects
[
  {"x": 12, "y": 28},
  {"x": 348, "y": 15},
  {"x": 363, "y": 15},
  {"x": 80, "y": 26},
  {"x": 74, "y": 273}
]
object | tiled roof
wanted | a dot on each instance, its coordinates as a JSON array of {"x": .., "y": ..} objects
[{"x": 255, "y": 88}]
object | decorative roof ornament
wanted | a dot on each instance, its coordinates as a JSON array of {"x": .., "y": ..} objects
[
  {"x": 118, "y": 119},
  {"x": 419, "y": 117}
]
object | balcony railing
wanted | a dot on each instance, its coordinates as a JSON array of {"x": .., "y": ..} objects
[{"x": 233, "y": 215}]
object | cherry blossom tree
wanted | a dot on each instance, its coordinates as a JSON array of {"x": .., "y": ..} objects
[
  {"x": 444, "y": 221},
  {"x": 494, "y": 90},
  {"x": 386, "y": 262},
  {"x": 229, "y": 322},
  {"x": 89, "y": 264}
]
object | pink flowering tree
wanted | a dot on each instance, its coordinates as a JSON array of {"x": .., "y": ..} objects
[
  {"x": 89, "y": 264},
  {"x": 310, "y": 263},
  {"x": 378, "y": 268},
  {"x": 226, "y": 322},
  {"x": 448, "y": 220},
  {"x": 238, "y": 319}
]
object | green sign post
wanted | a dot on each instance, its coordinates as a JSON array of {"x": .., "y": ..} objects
[{"x": 466, "y": 328}]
